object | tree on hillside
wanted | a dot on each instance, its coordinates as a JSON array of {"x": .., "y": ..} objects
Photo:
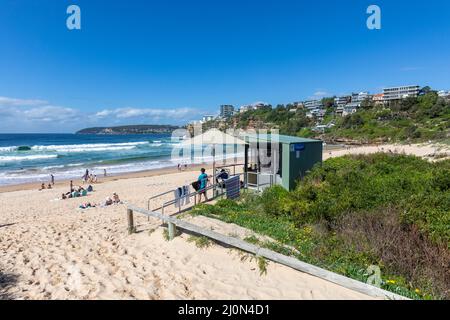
[{"x": 328, "y": 102}]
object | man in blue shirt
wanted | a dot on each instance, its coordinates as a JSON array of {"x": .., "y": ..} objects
[{"x": 203, "y": 180}]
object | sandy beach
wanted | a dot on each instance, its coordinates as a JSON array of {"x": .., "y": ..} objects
[{"x": 51, "y": 249}]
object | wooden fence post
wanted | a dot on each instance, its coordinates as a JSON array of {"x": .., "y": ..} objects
[
  {"x": 172, "y": 230},
  {"x": 131, "y": 229}
]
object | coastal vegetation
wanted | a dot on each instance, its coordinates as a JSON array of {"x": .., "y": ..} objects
[
  {"x": 354, "y": 212},
  {"x": 414, "y": 119}
]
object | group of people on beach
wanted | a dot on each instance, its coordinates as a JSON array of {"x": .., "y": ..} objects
[
  {"x": 203, "y": 180},
  {"x": 76, "y": 192},
  {"x": 91, "y": 177},
  {"x": 43, "y": 187},
  {"x": 109, "y": 201},
  {"x": 88, "y": 177},
  {"x": 201, "y": 185}
]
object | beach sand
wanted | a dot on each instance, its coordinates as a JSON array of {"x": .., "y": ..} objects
[{"x": 50, "y": 249}]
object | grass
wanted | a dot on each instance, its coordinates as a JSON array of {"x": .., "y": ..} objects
[
  {"x": 262, "y": 265},
  {"x": 390, "y": 211},
  {"x": 166, "y": 234},
  {"x": 200, "y": 242}
]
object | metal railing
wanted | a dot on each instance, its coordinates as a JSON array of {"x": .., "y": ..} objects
[
  {"x": 260, "y": 182},
  {"x": 229, "y": 166},
  {"x": 157, "y": 196},
  {"x": 218, "y": 191}
]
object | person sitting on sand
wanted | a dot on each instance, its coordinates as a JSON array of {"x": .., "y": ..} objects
[
  {"x": 87, "y": 205},
  {"x": 95, "y": 180},
  {"x": 42, "y": 187},
  {"x": 49, "y": 186},
  {"x": 90, "y": 188},
  {"x": 116, "y": 198},
  {"x": 63, "y": 196},
  {"x": 84, "y": 193},
  {"x": 108, "y": 201},
  {"x": 75, "y": 194}
]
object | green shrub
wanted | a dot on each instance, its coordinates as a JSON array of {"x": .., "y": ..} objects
[
  {"x": 273, "y": 200},
  {"x": 355, "y": 211}
]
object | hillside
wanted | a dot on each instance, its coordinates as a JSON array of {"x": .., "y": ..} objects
[
  {"x": 354, "y": 212},
  {"x": 132, "y": 129},
  {"x": 423, "y": 118},
  {"x": 418, "y": 119}
]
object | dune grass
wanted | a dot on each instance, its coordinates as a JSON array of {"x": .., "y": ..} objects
[{"x": 390, "y": 211}]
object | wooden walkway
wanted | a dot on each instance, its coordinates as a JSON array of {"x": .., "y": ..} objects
[{"x": 296, "y": 264}]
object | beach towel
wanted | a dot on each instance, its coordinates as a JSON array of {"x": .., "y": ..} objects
[
  {"x": 177, "y": 196},
  {"x": 184, "y": 197},
  {"x": 187, "y": 191}
]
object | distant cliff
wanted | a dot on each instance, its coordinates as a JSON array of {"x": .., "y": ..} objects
[{"x": 136, "y": 129}]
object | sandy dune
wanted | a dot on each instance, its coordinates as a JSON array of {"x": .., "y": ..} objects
[{"x": 49, "y": 249}]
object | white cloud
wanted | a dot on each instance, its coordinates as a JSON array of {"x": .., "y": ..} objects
[
  {"x": 50, "y": 114},
  {"x": 147, "y": 113},
  {"x": 22, "y": 115},
  {"x": 13, "y": 102},
  {"x": 320, "y": 94}
]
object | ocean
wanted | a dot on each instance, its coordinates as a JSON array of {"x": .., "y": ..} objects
[{"x": 33, "y": 157}]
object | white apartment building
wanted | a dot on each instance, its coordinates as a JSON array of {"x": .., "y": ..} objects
[
  {"x": 342, "y": 101},
  {"x": 259, "y": 105},
  {"x": 245, "y": 109},
  {"x": 207, "y": 118},
  {"x": 378, "y": 99},
  {"x": 444, "y": 94},
  {"x": 313, "y": 104},
  {"x": 398, "y": 93},
  {"x": 226, "y": 111},
  {"x": 360, "y": 97}
]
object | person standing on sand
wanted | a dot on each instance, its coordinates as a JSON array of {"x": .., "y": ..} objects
[
  {"x": 203, "y": 180},
  {"x": 52, "y": 179},
  {"x": 71, "y": 186},
  {"x": 104, "y": 173},
  {"x": 86, "y": 176}
]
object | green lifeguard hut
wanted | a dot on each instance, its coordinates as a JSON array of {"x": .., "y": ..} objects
[{"x": 279, "y": 159}]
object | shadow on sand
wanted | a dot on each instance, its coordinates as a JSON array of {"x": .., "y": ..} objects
[
  {"x": 6, "y": 282},
  {"x": 6, "y": 225}
]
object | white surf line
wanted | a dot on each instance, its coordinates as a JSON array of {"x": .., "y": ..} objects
[{"x": 262, "y": 252}]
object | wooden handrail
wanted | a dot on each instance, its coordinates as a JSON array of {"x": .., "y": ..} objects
[{"x": 263, "y": 252}]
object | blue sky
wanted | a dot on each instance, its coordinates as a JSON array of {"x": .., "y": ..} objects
[{"x": 172, "y": 61}]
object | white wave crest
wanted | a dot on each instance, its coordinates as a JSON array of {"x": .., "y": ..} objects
[
  {"x": 27, "y": 158},
  {"x": 8, "y": 149},
  {"x": 96, "y": 147}
]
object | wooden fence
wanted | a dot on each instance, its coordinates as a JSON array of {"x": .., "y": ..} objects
[{"x": 294, "y": 263}]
